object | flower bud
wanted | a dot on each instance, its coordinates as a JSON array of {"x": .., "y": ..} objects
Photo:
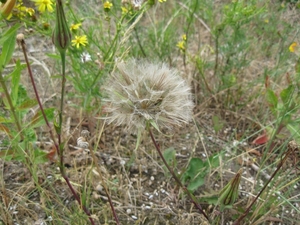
[
  {"x": 61, "y": 36},
  {"x": 7, "y": 7},
  {"x": 230, "y": 192}
]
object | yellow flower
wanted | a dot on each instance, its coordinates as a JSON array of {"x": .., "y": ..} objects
[
  {"x": 124, "y": 10},
  {"x": 79, "y": 40},
  {"x": 107, "y": 5},
  {"x": 75, "y": 26},
  {"x": 293, "y": 47},
  {"x": 184, "y": 37},
  {"x": 161, "y": 1},
  {"x": 19, "y": 11},
  {"x": 30, "y": 11},
  {"x": 181, "y": 45},
  {"x": 43, "y": 5}
]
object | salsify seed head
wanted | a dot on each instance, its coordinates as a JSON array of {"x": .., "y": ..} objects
[{"x": 139, "y": 92}]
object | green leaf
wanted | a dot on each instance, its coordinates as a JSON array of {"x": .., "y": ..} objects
[
  {"x": 214, "y": 160},
  {"x": 39, "y": 156},
  {"x": 217, "y": 123},
  {"x": 4, "y": 129},
  {"x": 213, "y": 200},
  {"x": 7, "y": 155},
  {"x": 195, "y": 174},
  {"x": 30, "y": 136},
  {"x": 154, "y": 124},
  {"x": 169, "y": 155},
  {"x": 38, "y": 119},
  {"x": 57, "y": 127},
  {"x": 8, "y": 49},
  {"x": 286, "y": 94},
  {"x": 295, "y": 131},
  {"x": 19, "y": 152},
  {"x": 5, "y": 102},
  {"x": 3, "y": 119},
  {"x": 271, "y": 99},
  {"x": 7, "y": 35},
  {"x": 53, "y": 56},
  {"x": 27, "y": 104},
  {"x": 196, "y": 183},
  {"x": 210, "y": 197},
  {"x": 15, "y": 81}
]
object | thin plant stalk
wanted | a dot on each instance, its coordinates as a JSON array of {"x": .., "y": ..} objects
[
  {"x": 57, "y": 146},
  {"x": 22, "y": 43},
  {"x": 63, "y": 84},
  {"x": 61, "y": 147},
  {"x": 61, "y": 38},
  {"x": 191, "y": 196}
]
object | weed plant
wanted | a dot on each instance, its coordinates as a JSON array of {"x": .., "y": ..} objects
[{"x": 195, "y": 101}]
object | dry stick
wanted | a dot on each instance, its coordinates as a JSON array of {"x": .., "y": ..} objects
[
  {"x": 282, "y": 161},
  {"x": 22, "y": 42},
  {"x": 175, "y": 177}
]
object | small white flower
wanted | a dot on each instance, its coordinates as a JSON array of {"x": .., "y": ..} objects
[
  {"x": 141, "y": 92},
  {"x": 85, "y": 57},
  {"x": 137, "y": 4}
]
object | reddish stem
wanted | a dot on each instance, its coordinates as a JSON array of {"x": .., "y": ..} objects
[
  {"x": 22, "y": 42},
  {"x": 175, "y": 177}
]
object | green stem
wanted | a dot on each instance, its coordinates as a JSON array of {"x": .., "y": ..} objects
[
  {"x": 11, "y": 106},
  {"x": 61, "y": 148}
]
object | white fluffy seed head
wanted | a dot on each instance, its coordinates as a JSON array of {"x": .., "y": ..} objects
[{"x": 140, "y": 92}]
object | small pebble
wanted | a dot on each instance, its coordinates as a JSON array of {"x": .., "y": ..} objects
[{"x": 134, "y": 217}]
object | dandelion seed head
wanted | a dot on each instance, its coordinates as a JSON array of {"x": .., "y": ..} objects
[{"x": 139, "y": 92}]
